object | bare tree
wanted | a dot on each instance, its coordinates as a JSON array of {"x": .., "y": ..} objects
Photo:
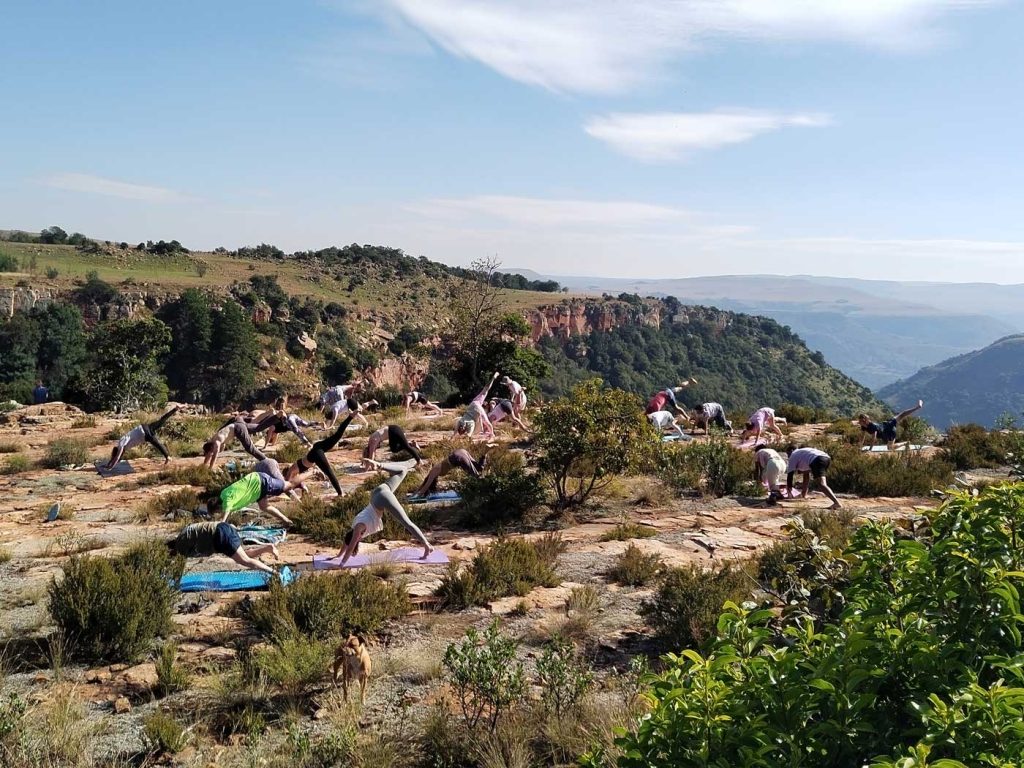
[{"x": 476, "y": 306}]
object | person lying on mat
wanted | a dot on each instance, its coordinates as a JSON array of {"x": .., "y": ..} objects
[
  {"x": 383, "y": 500},
  {"x": 254, "y": 488},
  {"x": 887, "y": 429},
  {"x": 457, "y": 459},
  {"x": 205, "y": 539}
]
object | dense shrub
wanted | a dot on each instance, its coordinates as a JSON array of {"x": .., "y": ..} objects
[
  {"x": 16, "y": 464},
  {"x": 635, "y": 568},
  {"x": 113, "y": 608},
  {"x": 507, "y": 566},
  {"x": 802, "y": 414},
  {"x": 889, "y": 474},
  {"x": 164, "y": 734},
  {"x": 294, "y": 664},
  {"x": 971, "y": 446},
  {"x": 714, "y": 467},
  {"x": 65, "y": 451},
  {"x": 932, "y": 627},
  {"x": 485, "y": 676},
  {"x": 329, "y": 605},
  {"x": 685, "y": 609},
  {"x": 504, "y": 493}
]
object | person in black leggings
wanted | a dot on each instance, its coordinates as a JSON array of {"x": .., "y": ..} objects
[
  {"x": 457, "y": 459},
  {"x": 143, "y": 433},
  {"x": 397, "y": 441},
  {"x": 317, "y": 457}
]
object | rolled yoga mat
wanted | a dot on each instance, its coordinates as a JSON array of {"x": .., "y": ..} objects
[
  {"x": 231, "y": 581},
  {"x": 402, "y": 555}
]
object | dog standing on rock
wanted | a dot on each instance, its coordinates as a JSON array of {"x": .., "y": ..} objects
[{"x": 352, "y": 660}]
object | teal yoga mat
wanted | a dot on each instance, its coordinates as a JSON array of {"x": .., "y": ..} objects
[{"x": 231, "y": 581}]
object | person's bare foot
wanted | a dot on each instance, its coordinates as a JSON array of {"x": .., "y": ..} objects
[
  {"x": 426, "y": 552},
  {"x": 836, "y": 506},
  {"x": 920, "y": 403}
]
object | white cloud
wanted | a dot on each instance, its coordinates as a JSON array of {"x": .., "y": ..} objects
[
  {"x": 98, "y": 185},
  {"x": 675, "y": 135},
  {"x": 545, "y": 212},
  {"x": 601, "y": 46}
]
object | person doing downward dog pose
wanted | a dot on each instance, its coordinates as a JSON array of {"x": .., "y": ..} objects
[
  {"x": 886, "y": 429},
  {"x": 143, "y": 433},
  {"x": 317, "y": 459},
  {"x": 292, "y": 423},
  {"x": 667, "y": 398},
  {"x": 205, "y": 539},
  {"x": 502, "y": 409},
  {"x": 254, "y": 488},
  {"x": 770, "y": 466},
  {"x": 418, "y": 398},
  {"x": 237, "y": 429},
  {"x": 475, "y": 416},
  {"x": 383, "y": 501},
  {"x": 760, "y": 420},
  {"x": 517, "y": 394},
  {"x": 711, "y": 413},
  {"x": 662, "y": 420},
  {"x": 810, "y": 461},
  {"x": 461, "y": 459},
  {"x": 397, "y": 441}
]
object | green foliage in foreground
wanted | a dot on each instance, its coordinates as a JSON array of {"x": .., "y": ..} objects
[{"x": 922, "y": 667}]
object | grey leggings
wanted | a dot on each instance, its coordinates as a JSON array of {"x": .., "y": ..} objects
[
  {"x": 242, "y": 433},
  {"x": 383, "y": 499}
]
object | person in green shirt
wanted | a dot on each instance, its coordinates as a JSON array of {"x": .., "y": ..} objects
[{"x": 254, "y": 488}]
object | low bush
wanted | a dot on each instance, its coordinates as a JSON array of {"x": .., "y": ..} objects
[
  {"x": 329, "y": 605},
  {"x": 905, "y": 473},
  {"x": 504, "y": 493},
  {"x": 635, "y": 568},
  {"x": 507, "y": 566},
  {"x": 179, "y": 504},
  {"x": 171, "y": 676},
  {"x": 10, "y": 447},
  {"x": 564, "y": 678},
  {"x": 84, "y": 422},
  {"x": 627, "y": 529},
  {"x": 801, "y": 414},
  {"x": 970, "y": 446},
  {"x": 485, "y": 676},
  {"x": 16, "y": 464},
  {"x": 111, "y": 609},
  {"x": 196, "y": 475},
  {"x": 65, "y": 451},
  {"x": 713, "y": 467},
  {"x": 684, "y": 611},
  {"x": 294, "y": 664},
  {"x": 164, "y": 734},
  {"x": 290, "y": 451}
]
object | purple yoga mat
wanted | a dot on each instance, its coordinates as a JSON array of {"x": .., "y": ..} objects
[{"x": 403, "y": 555}]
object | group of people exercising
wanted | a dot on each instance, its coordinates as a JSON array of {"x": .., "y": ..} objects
[{"x": 268, "y": 479}]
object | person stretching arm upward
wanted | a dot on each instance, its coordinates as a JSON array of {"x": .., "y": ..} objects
[
  {"x": 887, "y": 429},
  {"x": 143, "y": 433},
  {"x": 810, "y": 461},
  {"x": 383, "y": 501}
]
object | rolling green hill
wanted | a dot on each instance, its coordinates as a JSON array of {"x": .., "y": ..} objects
[{"x": 977, "y": 387}]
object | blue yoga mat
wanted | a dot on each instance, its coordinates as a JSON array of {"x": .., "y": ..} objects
[
  {"x": 439, "y": 496},
  {"x": 231, "y": 581},
  {"x": 261, "y": 534}
]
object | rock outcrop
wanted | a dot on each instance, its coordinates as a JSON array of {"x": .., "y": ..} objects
[
  {"x": 22, "y": 299},
  {"x": 579, "y": 317},
  {"x": 403, "y": 373}
]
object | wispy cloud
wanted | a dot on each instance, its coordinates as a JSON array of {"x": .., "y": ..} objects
[
  {"x": 545, "y": 212},
  {"x": 676, "y": 135},
  {"x": 600, "y": 46},
  {"x": 98, "y": 185}
]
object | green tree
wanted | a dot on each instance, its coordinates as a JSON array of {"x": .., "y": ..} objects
[
  {"x": 53, "y": 235},
  {"x": 190, "y": 319},
  {"x": 476, "y": 306},
  {"x": 125, "y": 370},
  {"x": 62, "y": 350},
  {"x": 237, "y": 355},
  {"x": 19, "y": 345},
  {"x": 584, "y": 440}
]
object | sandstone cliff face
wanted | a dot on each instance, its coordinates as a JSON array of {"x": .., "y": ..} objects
[
  {"x": 23, "y": 300},
  {"x": 579, "y": 317},
  {"x": 403, "y": 373}
]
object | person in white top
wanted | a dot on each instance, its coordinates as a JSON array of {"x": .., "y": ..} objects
[
  {"x": 665, "y": 420},
  {"x": 770, "y": 467},
  {"x": 418, "y": 398},
  {"x": 143, "y": 433},
  {"x": 810, "y": 461},
  {"x": 517, "y": 394}
]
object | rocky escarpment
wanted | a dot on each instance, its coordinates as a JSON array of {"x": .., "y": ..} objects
[
  {"x": 579, "y": 317},
  {"x": 23, "y": 299}
]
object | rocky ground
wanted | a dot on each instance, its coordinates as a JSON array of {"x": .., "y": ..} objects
[{"x": 104, "y": 515}]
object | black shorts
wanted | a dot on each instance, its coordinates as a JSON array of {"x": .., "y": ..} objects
[
  {"x": 820, "y": 466},
  {"x": 888, "y": 433},
  {"x": 421, "y": 399},
  {"x": 226, "y": 540}
]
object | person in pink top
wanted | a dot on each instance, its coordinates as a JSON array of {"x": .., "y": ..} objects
[{"x": 761, "y": 420}]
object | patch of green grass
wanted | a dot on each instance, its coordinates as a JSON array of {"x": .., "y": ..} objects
[
  {"x": 635, "y": 568},
  {"x": 10, "y": 447},
  {"x": 627, "y": 530},
  {"x": 16, "y": 464}
]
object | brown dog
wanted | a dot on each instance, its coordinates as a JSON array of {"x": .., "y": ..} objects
[{"x": 352, "y": 660}]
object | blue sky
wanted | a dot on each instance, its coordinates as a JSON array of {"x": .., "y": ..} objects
[{"x": 865, "y": 138}]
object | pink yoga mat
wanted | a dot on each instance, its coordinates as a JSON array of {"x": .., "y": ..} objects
[{"x": 403, "y": 555}]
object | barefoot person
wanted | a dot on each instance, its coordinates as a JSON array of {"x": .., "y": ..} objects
[
  {"x": 517, "y": 394},
  {"x": 397, "y": 441},
  {"x": 665, "y": 420},
  {"x": 317, "y": 459},
  {"x": 668, "y": 398},
  {"x": 383, "y": 501},
  {"x": 292, "y": 423},
  {"x": 475, "y": 418},
  {"x": 761, "y": 420},
  {"x": 711, "y": 413},
  {"x": 419, "y": 399},
  {"x": 457, "y": 459},
  {"x": 253, "y": 488},
  {"x": 505, "y": 409},
  {"x": 237, "y": 429},
  {"x": 770, "y": 467},
  {"x": 205, "y": 539},
  {"x": 886, "y": 429},
  {"x": 808, "y": 462},
  {"x": 143, "y": 433}
]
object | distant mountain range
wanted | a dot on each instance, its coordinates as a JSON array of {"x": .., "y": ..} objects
[
  {"x": 977, "y": 387},
  {"x": 876, "y": 331}
]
